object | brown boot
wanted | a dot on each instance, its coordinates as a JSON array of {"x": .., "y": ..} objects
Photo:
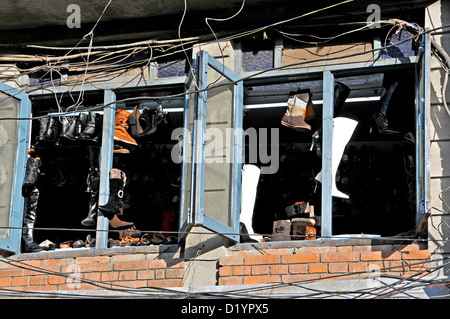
[
  {"x": 296, "y": 112},
  {"x": 121, "y": 128},
  {"x": 116, "y": 223}
]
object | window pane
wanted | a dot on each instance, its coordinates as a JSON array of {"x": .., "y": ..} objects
[
  {"x": 219, "y": 148},
  {"x": 9, "y": 108}
]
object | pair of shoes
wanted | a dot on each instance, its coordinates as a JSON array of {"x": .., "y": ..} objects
[
  {"x": 130, "y": 232},
  {"x": 90, "y": 242},
  {"x": 155, "y": 239},
  {"x": 82, "y": 128}
]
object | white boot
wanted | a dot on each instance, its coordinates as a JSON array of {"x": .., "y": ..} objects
[
  {"x": 343, "y": 129},
  {"x": 250, "y": 179}
]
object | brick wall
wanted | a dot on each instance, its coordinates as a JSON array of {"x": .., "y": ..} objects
[
  {"x": 313, "y": 263},
  {"x": 87, "y": 273},
  {"x": 242, "y": 266}
]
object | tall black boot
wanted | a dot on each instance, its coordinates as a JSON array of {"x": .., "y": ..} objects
[
  {"x": 93, "y": 182},
  {"x": 29, "y": 220},
  {"x": 31, "y": 174},
  {"x": 380, "y": 116},
  {"x": 117, "y": 180}
]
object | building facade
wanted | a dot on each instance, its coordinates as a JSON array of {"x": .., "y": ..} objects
[{"x": 346, "y": 136}]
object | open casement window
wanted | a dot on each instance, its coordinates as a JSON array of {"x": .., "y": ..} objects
[
  {"x": 422, "y": 134},
  {"x": 14, "y": 140},
  {"x": 212, "y": 152}
]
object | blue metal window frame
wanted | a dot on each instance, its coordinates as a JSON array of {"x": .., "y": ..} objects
[
  {"x": 197, "y": 214},
  {"x": 12, "y": 243}
]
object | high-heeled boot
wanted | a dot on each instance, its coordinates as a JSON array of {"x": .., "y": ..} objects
[
  {"x": 343, "y": 129},
  {"x": 93, "y": 183},
  {"x": 31, "y": 203},
  {"x": 379, "y": 117},
  {"x": 250, "y": 180}
]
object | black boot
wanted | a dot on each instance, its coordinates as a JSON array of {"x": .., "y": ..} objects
[
  {"x": 81, "y": 124},
  {"x": 43, "y": 124},
  {"x": 117, "y": 180},
  {"x": 244, "y": 235},
  {"x": 149, "y": 120},
  {"x": 29, "y": 221},
  {"x": 48, "y": 130},
  {"x": 91, "y": 130},
  {"x": 341, "y": 92},
  {"x": 380, "y": 116},
  {"x": 93, "y": 182},
  {"x": 68, "y": 131},
  {"x": 31, "y": 174}
]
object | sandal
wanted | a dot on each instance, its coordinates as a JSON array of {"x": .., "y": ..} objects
[
  {"x": 129, "y": 241},
  {"x": 66, "y": 244},
  {"x": 158, "y": 238},
  {"x": 146, "y": 240}
]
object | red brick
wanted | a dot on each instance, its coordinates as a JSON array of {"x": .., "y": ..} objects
[
  {"x": 5, "y": 282},
  {"x": 40, "y": 288},
  {"x": 38, "y": 280},
  {"x": 418, "y": 254},
  {"x": 109, "y": 276},
  {"x": 225, "y": 271},
  {"x": 131, "y": 265},
  {"x": 11, "y": 272},
  {"x": 231, "y": 260},
  {"x": 146, "y": 274},
  {"x": 133, "y": 283},
  {"x": 380, "y": 255},
  {"x": 174, "y": 273},
  {"x": 88, "y": 267},
  {"x": 89, "y": 260},
  {"x": 338, "y": 267},
  {"x": 160, "y": 274},
  {"x": 230, "y": 281},
  {"x": 298, "y": 278},
  {"x": 262, "y": 260},
  {"x": 260, "y": 270},
  {"x": 299, "y": 258},
  {"x": 357, "y": 267},
  {"x": 127, "y": 275},
  {"x": 340, "y": 257},
  {"x": 19, "y": 281},
  {"x": 298, "y": 269},
  {"x": 318, "y": 268},
  {"x": 400, "y": 266},
  {"x": 56, "y": 280},
  {"x": 242, "y": 270},
  {"x": 279, "y": 269},
  {"x": 251, "y": 280},
  {"x": 165, "y": 283},
  {"x": 157, "y": 264}
]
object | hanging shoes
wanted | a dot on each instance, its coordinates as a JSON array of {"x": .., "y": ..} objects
[
  {"x": 92, "y": 129},
  {"x": 133, "y": 120},
  {"x": 149, "y": 120},
  {"x": 117, "y": 181},
  {"x": 341, "y": 93},
  {"x": 31, "y": 174},
  {"x": 48, "y": 131},
  {"x": 296, "y": 112},
  {"x": 379, "y": 117},
  {"x": 121, "y": 128},
  {"x": 68, "y": 131}
]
